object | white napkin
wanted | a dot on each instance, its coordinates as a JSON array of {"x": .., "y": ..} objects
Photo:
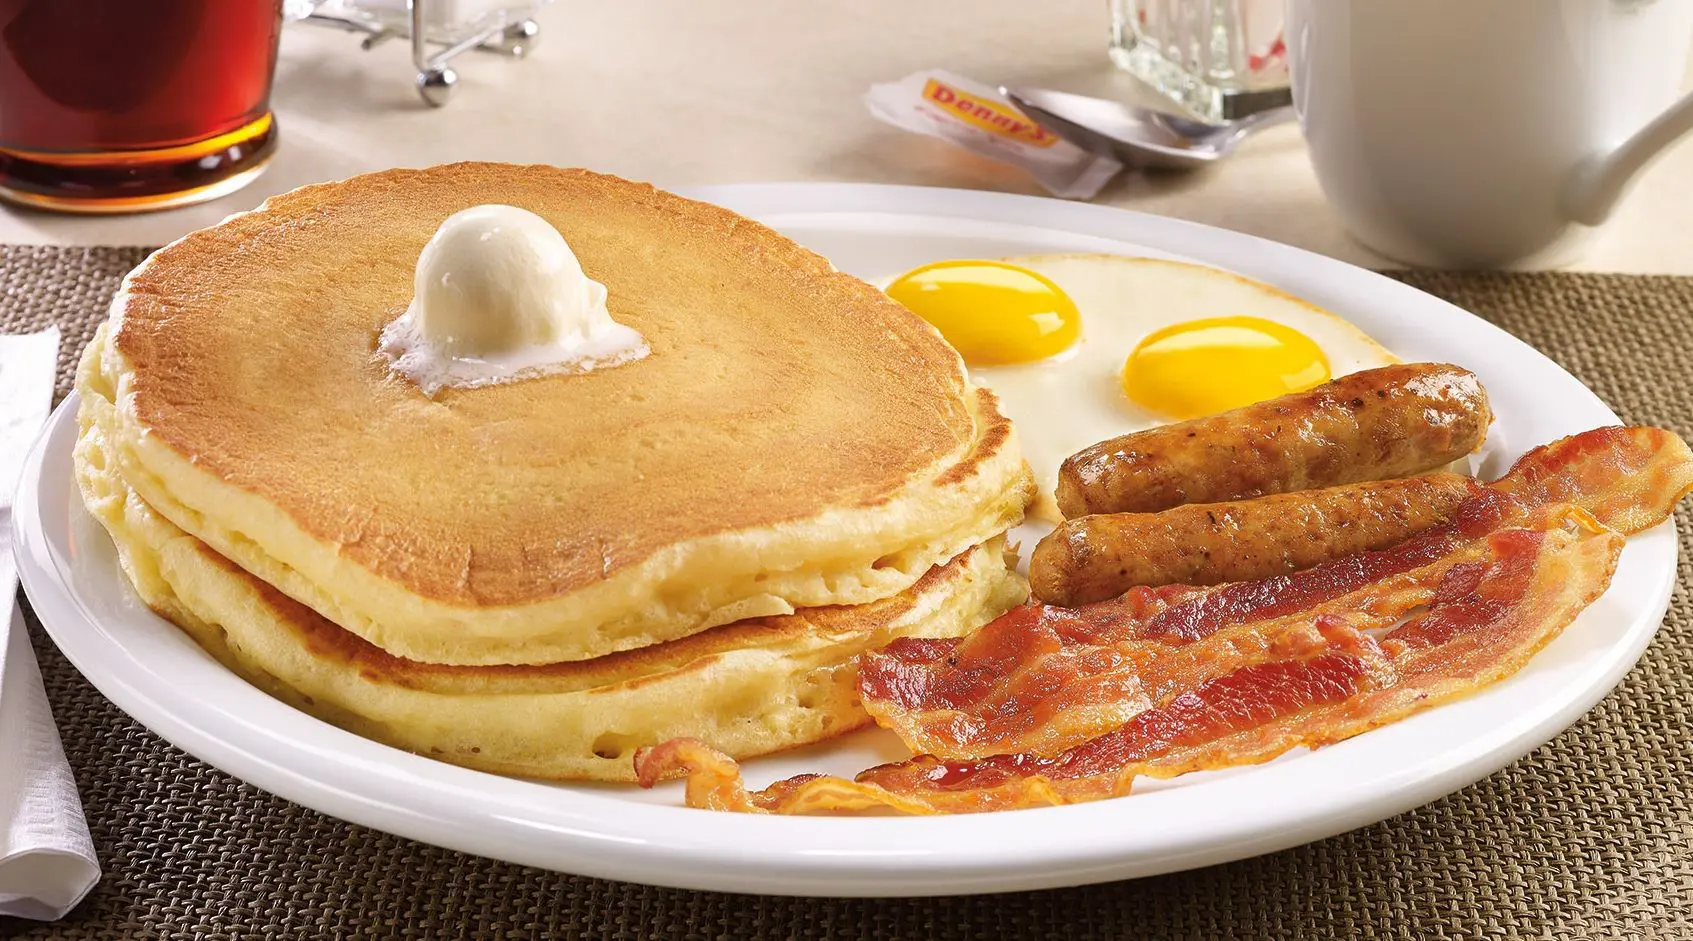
[{"x": 47, "y": 861}]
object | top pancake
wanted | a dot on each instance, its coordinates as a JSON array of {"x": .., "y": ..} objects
[{"x": 795, "y": 438}]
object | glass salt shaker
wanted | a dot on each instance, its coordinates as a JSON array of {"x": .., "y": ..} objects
[{"x": 1220, "y": 59}]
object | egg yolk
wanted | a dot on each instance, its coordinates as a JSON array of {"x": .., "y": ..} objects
[
  {"x": 1207, "y": 366},
  {"x": 991, "y": 312}
]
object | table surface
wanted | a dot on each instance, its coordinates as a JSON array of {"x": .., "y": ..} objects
[{"x": 686, "y": 93}]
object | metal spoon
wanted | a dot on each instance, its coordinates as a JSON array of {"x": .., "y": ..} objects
[{"x": 1139, "y": 137}]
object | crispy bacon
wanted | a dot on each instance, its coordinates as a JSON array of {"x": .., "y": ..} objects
[
  {"x": 1025, "y": 684},
  {"x": 1041, "y": 679},
  {"x": 1630, "y": 478},
  {"x": 1485, "y": 619}
]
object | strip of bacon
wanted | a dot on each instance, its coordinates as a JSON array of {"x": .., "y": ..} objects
[
  {"x": 1485, "y": 620},
  {"x": 1041, "y": 679},
  {"x": 1630, "y": 478},
  {"x": 1026, "y": 684}
]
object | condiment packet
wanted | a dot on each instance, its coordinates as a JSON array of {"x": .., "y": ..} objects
[{"x": 972, "y": 115}]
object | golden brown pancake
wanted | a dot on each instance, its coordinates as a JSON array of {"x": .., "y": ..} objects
[
  {"x": 795, "y": 438},
  {"x": 748, "y": 688}
]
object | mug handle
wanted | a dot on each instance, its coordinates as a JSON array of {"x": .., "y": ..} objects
[{"x": 1599, "y": 183}]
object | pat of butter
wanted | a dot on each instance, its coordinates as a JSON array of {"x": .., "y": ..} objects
[{"x": 498, "y": 296}]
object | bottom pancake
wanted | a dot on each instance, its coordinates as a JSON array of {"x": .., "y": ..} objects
[{"x": 747, "y": 688}]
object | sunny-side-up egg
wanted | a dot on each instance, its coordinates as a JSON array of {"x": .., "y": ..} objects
[{"x": 1081, "y": 348}]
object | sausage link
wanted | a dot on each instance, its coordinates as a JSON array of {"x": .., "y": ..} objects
[
  {"x": 1388, "y": 422},
  {"x": 1092, "y": 558}
]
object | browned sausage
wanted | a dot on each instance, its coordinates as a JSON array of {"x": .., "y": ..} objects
[
  {"x": 1388, "y": 422},
  {"x": 1092, "y": 558}
]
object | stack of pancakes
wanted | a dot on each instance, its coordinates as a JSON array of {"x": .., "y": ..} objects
[{"x": 539, "y": 577}]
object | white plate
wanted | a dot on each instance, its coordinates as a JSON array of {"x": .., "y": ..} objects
[{"x": 152, "y": 671}]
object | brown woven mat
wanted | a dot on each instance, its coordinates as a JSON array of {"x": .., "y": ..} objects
[{"x": 1590, "y": 836}]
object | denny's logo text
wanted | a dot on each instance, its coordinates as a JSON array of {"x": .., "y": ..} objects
[{"x": 988, "y": 115}]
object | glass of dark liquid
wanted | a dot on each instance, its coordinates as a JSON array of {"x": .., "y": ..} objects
[{"x": 111, "y": 106}]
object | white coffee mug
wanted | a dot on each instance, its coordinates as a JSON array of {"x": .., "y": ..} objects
[{"x": 1485, "y": 133}]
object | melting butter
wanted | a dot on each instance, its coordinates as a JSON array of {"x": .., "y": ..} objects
[{"x": 498, "y": 296}]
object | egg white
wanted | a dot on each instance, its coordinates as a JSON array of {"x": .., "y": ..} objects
[{"x": 1075, "y": 399}]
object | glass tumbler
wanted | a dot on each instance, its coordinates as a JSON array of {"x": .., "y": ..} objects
[{"x": 110, "y": 106}]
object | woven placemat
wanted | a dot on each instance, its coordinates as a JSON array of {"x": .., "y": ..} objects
[{"x": 1588, "y": 837}]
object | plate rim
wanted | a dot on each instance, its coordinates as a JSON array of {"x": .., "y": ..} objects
[{"x": 772, "y": 855}]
